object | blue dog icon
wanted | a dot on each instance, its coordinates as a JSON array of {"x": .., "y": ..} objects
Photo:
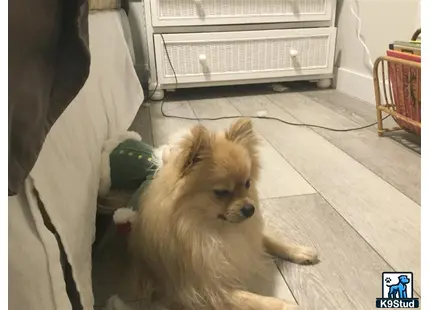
[{"x": 399, "y": 290}]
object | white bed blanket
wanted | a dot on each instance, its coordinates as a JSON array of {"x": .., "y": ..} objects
[{"x": 67, "y": 171}]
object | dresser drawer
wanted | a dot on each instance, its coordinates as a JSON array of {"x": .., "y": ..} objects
[
  {"x": 245, "y": 55},
  {"x": 221, "y": 12}
]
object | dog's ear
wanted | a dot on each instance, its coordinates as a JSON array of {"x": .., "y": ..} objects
[
  {"x": 242, "y": 132},
  {"x": 194, "y": 147}
]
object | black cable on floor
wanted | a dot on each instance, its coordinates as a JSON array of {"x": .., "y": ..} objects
[
  {"x": 153, "y": 92},
  {"x": 240, "y": 116}
]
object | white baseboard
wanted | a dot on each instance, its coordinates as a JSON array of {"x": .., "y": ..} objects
[{"x": 355, "y": 84}]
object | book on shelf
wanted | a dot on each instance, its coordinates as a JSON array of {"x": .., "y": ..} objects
[
  {"x": 411, "y": 47},
  {"x": 403, "y": 55}
]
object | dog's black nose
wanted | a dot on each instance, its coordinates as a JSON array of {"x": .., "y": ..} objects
[{"x": 247, "y": 210}]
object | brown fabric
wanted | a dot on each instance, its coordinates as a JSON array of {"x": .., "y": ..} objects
[{"x": 49, "y": 62}]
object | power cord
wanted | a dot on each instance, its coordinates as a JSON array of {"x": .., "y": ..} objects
[
  {"x": 152, "y": 95},
  {"x": 369, "y": 57},
  {"x": 252, "y": 117}
]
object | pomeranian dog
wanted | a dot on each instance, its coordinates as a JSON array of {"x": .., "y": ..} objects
[{"x": 198, "y": 239}]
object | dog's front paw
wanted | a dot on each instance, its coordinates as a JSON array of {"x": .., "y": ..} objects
[{"x": 304, "y": 256}]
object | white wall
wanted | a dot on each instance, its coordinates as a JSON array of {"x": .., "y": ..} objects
[{"x": 383, "y": 21}]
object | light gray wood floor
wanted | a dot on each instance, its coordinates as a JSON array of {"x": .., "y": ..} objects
[{"x": 353, "y": 196}]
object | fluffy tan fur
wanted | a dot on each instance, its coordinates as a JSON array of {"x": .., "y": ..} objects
[{"x": 193, "y": 246}]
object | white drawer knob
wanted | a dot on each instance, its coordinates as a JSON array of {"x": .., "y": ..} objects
[
  {"x": 294, "y": 52},
  {"x": 202, "y": 58}
]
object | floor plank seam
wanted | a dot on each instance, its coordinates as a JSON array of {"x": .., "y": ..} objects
[
  {"x": 194, "y": 112},
  {"x": 292, "y": 196},
  {"x": 286, "y": 282},
  {"x": 342, "y": 152}
]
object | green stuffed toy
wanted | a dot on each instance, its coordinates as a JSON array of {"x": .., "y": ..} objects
[{"x": 127, "y": 163}]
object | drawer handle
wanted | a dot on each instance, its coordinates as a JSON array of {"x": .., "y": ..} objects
[
  {"x": 202, "y": 59},
  {"x": 294, "y": 52},
  {"x": 203, "y": 62}
]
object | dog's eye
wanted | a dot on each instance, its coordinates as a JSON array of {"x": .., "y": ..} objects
[
  {"x": 248, "y": 184},
  {"x": 222, "y": 193}
]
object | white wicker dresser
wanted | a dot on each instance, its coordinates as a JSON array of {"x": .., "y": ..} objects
[{"x": 225, "y": 42}]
